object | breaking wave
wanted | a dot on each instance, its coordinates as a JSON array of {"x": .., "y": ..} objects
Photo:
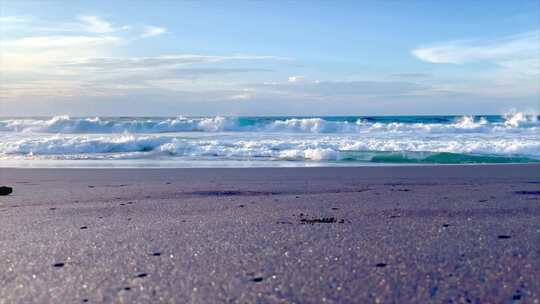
[
  {"x": 433, "y": 124},
  {"x": 513, "y": 137},
  {"x": 294, "y": 148}
]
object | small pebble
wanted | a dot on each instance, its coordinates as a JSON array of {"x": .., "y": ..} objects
[
  {"x": 58, "y": 265},
  {"x": 257, "y": 279},
  {"x": 380, "y": 265}
]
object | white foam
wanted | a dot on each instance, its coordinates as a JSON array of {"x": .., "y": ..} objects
[
  {"x": 299, "y": 139},
  {"x": 297, "y": 147},
  {"x": 514, "y": 122}
]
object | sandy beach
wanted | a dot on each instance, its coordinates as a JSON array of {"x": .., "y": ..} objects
[{"x": 417, "y": 234}]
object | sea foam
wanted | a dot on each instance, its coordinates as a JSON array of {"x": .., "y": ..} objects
[
  {"x": 68, "y": 125},
  {"x": 315, "y": 139}
]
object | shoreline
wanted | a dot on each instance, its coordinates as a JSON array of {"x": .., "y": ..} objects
[
  {"x": 212, "y": 235},
  {"x": 110, "y": 166}
]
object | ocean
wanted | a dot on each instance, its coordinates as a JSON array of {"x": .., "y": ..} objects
[{"x": 64, "y": 141}]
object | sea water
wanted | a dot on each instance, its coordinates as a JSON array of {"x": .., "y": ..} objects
[{"x": 64, "y": 141}]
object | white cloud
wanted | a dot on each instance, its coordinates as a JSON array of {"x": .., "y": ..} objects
[
  {"x": 241, "y": 96},
  {"x": 94, "y": 24},
  {"x": 161, "y": 61},
  {"x": 150, "y": 31},
  {"x": 14, "y": 19},
  {"x": 516, "y": 59},
  {"x": 45, "y": 42},
  {"x": 12, "y": 24},
  {"x": 296, "y": 79},
  {"x": 523, "y": 46},
  {"x": 332, "y": 89}
]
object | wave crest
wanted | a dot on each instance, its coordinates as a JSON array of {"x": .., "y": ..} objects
[{"x": 510, "y": 122}]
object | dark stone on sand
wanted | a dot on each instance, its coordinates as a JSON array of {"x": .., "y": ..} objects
[
  {"x": 516, "y": 297},
  {"x": 231, "y": 193},
  {"x": 257, "y": 279},
  {"x": 90, "y": 186},
  {"x": 380, "y": 265},
  {"x": 503, "y": 236},
  {"x": 483, "y": 201},
  {"x": 320, "y": 220},
  {"x": 156, "y": 253},
  {"x": 52, "y": 208},
  {"x": 394, "y": 216},
  {"x": 524, "y": 192},
  {"x": 58, "y": 265},
  {"x": 141, "y": 275},
  {"x": 433, "y": 291},
  {"x": 5, "y": 190},
  {"x": 446, "y": 225},
  {"x": 85, "y": 300},
  {"x": 127, "y": 288},
  {"x": 84, "y": 227},
  {"x": 241, "y": 206},
  {"x": 334, "y": 208}
]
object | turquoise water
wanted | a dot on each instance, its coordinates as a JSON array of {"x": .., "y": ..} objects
[{"x": 268, "y": 141}]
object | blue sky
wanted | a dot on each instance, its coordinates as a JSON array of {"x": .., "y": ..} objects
[{"x": 269, "y": 58}]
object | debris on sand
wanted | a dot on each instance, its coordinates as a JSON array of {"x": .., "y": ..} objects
[
  {"x": 5, "y": 190},
  {"x": 524, "y": 192},
  {"x": 323, "y": 220}
]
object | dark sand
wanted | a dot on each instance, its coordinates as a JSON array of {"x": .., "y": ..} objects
[{"x": 312, "y": 235}]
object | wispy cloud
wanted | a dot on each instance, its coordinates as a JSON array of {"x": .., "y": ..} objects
[
  {"x": 332, "y": 89},
  {"x": 162, "y": 61},
  {"x": 515, "y": 58},
  {"x": 517, "y": 53},
  {"x": 296, "y": 78},
  {"x": 14, "y": 19},
  {"x": 95, "y": 24},
  {"x": 45, "y": 42},
  {"x": 150, "y": 31},
  {"x": 410, "y": 75}
]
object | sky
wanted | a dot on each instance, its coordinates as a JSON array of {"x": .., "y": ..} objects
[{"x": 168, "y": 58}]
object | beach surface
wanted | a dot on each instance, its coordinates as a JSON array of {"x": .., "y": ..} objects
[{"x": 410, "y": 234}]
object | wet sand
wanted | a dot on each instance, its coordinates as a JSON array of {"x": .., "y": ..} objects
[{"x": 286, "y": 235}]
